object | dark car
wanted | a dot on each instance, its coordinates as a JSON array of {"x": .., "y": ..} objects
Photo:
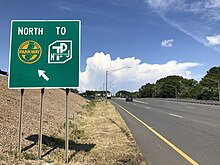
[{"x": 129, "y": 98}]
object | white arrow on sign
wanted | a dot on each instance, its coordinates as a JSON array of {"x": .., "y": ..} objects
[{"x": 41, "y": 73}]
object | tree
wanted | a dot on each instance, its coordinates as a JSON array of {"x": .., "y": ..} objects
[
  {"x": 168, "y": 87},
  {"x": 209, "y": 85},
  {"x": 146, "y": 90},
  {"x": 188, "y": 88},
  {"x": 123, "y": 93},
  {"x": 175, "y": 86}
]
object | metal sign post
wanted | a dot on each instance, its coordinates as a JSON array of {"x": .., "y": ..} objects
[
  {"x": 67, "y": 128},
  {"x": 41, "y": 124},
  {"x": 20, "y": 122}
]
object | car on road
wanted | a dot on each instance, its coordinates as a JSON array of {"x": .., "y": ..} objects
[
  {"x": 129, "y": 99},
  {"x": 109, "y": 96}
]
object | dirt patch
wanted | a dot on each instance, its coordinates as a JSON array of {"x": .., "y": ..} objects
[{"x": 98, "y": 135}]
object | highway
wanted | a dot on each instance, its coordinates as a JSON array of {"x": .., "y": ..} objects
[{"x": 173, "y": 133}]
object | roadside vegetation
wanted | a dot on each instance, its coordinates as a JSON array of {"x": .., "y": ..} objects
[
  {"x": 179, "y": 87},
  {"x": 97, "y": 136},
  {"x": 110, "y": 139}
]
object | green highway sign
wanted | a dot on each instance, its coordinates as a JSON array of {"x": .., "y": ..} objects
[{"x": 44, "y": 54}]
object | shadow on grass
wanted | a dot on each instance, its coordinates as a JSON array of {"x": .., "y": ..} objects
[{"x": 57, "y": 143}]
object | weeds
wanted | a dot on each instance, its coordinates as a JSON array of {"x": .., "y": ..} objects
[
  {"x": 25, "y": 155},
  {"x": 90, "y": 106},
  {"x": 1, "y": 157},
  {"x": 14, "y": 153},
  {"x": 76, "y": 133},
  {"x": 44, "y": 147},
  {"x": 29, "y": 156},
  {"x": 56, "y": 157}
]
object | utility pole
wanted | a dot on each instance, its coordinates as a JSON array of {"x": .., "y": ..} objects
[
  {"x": 217, "y": 81},
  {"x": 219, "y": 90},
  {"x": 176, "y": 92},
  {"x": 106, "y": 85},
  {"x": 103, "y": 93},
  {"x": 106, "y": 76}
]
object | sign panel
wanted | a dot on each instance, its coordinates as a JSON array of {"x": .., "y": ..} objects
[{"x": 44, "y": 54}]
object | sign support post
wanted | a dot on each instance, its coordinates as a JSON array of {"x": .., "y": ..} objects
[
  {"x": 41, "y": 125},
  {"x": 20, "y": 121},
  {"x": 67, "y": 127},
  {"x": 41, "y": 51}
]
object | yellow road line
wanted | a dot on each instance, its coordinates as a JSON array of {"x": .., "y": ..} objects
[{"x": 162, "y": 138}]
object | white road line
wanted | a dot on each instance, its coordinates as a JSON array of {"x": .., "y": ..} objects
[
  {"x": 119, "y": 98},
  {"x": 190, "y": 107},
  {"x": 161, "y": 137},
  {"x": 140, "y": 102},
  {"x": 171, "y": 114},
  {"x": 147, "y": 107}
]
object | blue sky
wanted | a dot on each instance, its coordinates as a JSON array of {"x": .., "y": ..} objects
[{"x": 189, "y": 31}]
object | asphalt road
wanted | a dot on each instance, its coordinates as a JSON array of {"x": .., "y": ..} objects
[{"x": 173, "y": 133}]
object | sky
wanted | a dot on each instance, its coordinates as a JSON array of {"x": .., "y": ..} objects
[{"x": 155, "y": 38}]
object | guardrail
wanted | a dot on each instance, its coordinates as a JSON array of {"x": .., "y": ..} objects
[{"x": 209, "y": 102}]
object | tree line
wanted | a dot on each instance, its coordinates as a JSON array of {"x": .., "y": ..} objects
[{"x": 178, "y": 87}]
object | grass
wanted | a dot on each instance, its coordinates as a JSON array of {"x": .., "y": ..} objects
[
  {"x": 14, "y": 153},
  {"x": 56, "y": 158},
  {"x": 77, "y": 134},
  {"x": 75, "y": 131},
  {"x": 1, "y": 157},
  {"x": 97, "y": 125},
  {"x": 29, "y": 156},
  {"x": 24, "y": 155},
  {"x": 107, "y": 130},
  {"x": 90, "y": 106},
  {"x": 44, "y": 147}
]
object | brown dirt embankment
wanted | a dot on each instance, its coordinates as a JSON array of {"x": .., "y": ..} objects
[{"x": 98, "y": 135}]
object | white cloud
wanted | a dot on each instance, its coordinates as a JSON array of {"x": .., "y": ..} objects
[
  {"x": 130, "y": 78},
  {"x": 167, "y": 43},
  {"x": 165, "y": 5},
  {"x": 185, "y": 6},
  {"x": 213, "y": 40},
  {"x": 212, "y": 4},
  {"x": 195, "y": 18}
]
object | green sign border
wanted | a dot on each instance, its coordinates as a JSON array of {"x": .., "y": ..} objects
[{"x": 11, "y": 56}]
